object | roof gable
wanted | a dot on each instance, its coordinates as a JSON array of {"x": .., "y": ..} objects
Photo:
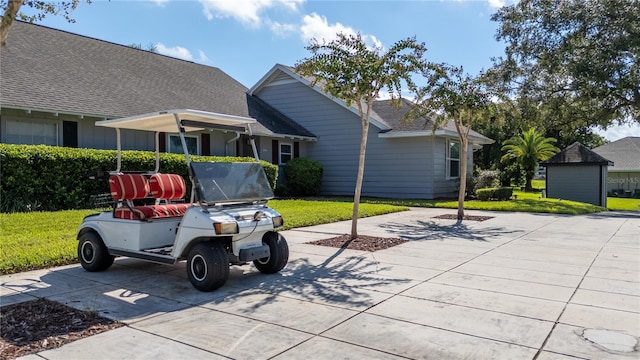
[
  {"x": 280, "y": 74},
  {"x": 625, "y": 153},
  {"x": 576, "y": 154}
]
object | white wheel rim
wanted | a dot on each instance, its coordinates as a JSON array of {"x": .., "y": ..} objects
[
  {"x": 91, "y": 249},
  {"x": 199, "y": 265}
]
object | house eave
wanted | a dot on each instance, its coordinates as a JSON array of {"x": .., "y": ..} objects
[
  {"x": 30, "y": 109},
  {"x": 442, "y": 133},
  {"x": 286, "y": 136}
]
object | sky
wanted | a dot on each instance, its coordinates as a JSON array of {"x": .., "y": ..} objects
[{"x": 246, "y": 38}]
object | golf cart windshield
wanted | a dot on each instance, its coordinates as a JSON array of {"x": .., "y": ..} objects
[{"x": 221, "y": 182}]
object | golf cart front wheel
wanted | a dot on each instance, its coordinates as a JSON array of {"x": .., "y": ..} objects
[
  {"x": 92, "y": 252},
  {"x": 208, "y": 266},
  {"x": 279, "y": 254}
]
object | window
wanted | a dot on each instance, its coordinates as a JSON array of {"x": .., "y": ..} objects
[
  {"x": 453, "y": 159},
  {"x": 175, "y": 146},
  {"x": 286, "y": 153},
  {"x": 32, "y": 132}
]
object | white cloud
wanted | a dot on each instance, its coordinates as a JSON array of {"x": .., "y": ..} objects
[
  {"x": 160, "y": 3},
  {"x": 497, "y": 3},
  {"x": 617, "y": 132},
  {"x": 317, "y": 27},
  {"x": 246, "y": 11},
  {"x": 176, "y": 51},
  {"x": 281, "y": 29},
  {"x": 202, "y": 57}
]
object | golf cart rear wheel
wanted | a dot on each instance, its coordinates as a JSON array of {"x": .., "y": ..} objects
[
  {"x": 208, "y": 266},
  {"x": 279, "y": 256},
  {"x": 92, "y": 253}
]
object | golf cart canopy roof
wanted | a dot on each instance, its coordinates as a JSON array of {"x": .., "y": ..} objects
[{"x": 191, "y": 120}]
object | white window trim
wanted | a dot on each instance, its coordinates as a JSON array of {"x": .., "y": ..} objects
[
  {"x": 448, "y": 159},
  {"x": 280, "y": 151},
  {"x": 186, "y": 136}
]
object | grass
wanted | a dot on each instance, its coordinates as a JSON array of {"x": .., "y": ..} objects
[
  {"x": 626, "y": 204},
  {"x": 39, "y": 240}
]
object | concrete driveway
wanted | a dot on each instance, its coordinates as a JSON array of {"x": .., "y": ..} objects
[{"x": 518, "y": 286}]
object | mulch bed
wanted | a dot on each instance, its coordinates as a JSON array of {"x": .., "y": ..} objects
[
  {"x": 362, "y": 242},
  {"x": 38, "y": 325},
  {"x": 465, "y": 217}
]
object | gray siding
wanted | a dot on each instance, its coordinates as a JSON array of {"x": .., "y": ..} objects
[
  {"x": 96, "y": 137},
  {"x": 578, "y": 183},
  {"x": 401, "y": 167}
]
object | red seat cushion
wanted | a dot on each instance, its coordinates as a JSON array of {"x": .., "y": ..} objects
[
  {"x": 151, "y": 211},
  {"x": 167, "y": 186},
  {"x": 128, "y": 186}
]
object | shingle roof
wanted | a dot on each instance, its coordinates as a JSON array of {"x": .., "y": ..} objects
[
  {"x": 395, "y": 118},
  {"x": 274, "y": 121},
  {"x": 576, "y": 154},
  {"x": 625, "y": 153},
  {"x": 53, "y": 70}
]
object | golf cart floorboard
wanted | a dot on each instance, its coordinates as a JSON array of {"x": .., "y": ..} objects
[{"x": 160, "y": 255}]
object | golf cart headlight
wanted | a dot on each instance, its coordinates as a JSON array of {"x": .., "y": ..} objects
[
  {"x": 226, "y": 228},
  {"x": 277, "y": 221}
]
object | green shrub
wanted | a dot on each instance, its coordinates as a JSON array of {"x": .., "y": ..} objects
[
  {"x": 303, "y": 177},
  {"x": 40, "y": 177},
  {"x": 501, "y": 193},
  {"x": 512, "y": 174},
  {"x": 487, "y": 179},
  {"x": 484, "y": 194}
]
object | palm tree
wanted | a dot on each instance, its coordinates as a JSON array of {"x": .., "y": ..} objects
[{"x": 527, "y": 149}]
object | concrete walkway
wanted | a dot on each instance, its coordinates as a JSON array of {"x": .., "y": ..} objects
[{"x": 518, "y": 286}]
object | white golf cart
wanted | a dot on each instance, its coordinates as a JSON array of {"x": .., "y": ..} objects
[{"x": 226, "y": 221}]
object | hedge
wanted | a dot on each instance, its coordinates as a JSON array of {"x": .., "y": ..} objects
[
  {"x": 502, "y": 193},
  {"x": 303, "y": 177},
  {"x": 50, "y": 178}
]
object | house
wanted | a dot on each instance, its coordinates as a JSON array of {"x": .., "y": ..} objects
[
  {"x": 624, "y": 174},
  {"x": 402, "y": 160},
  {"x": 579, "y": 174},
  {"x": 56, "y": 84}
]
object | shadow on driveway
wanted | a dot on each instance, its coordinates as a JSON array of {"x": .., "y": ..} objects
[{"x": 431, "y": 230}]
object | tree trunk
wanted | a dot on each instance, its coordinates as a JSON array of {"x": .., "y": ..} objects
[
  {"x": 356, "y": 196},
  {"x": 464, "y": 141},
  {"x": 9, "y": 15},
  {"x": 527, "y": 184}
]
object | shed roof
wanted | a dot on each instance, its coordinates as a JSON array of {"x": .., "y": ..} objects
[
  {"x": 625, "y": 153},
  {"x": 576, "y": 154}
]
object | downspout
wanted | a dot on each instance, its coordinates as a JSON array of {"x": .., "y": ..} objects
[{"x": 226, "y": 153}]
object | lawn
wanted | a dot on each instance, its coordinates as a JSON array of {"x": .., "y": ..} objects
[{"x": 38, "y": 240}]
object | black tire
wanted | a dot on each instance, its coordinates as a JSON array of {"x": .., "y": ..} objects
[
  {"x": 208, "y": 266},
  {"x": 92, "y": 253},
  {"x": 279, "y": 254}
]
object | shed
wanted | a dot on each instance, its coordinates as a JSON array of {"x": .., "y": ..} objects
[{"x": 579, "y": 174}]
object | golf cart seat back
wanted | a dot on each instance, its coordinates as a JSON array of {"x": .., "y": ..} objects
[{"x": 128, "y": 187}]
